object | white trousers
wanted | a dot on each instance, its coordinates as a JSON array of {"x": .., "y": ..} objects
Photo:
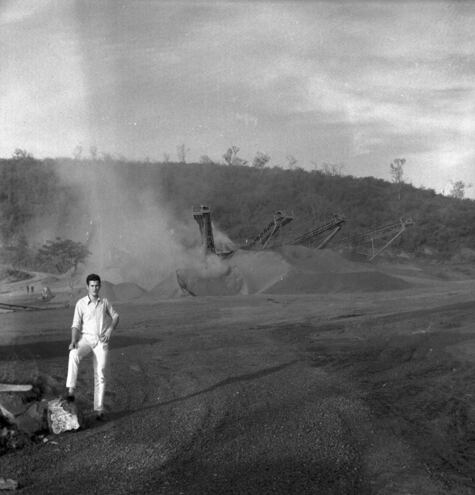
[{"x": 99, "y": 360}]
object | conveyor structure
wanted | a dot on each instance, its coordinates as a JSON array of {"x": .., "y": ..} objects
[
  {"x": 312, "y": 237},
  {"x": 393, "y": 231}
]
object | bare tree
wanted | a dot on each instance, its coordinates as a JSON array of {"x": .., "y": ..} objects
[
  {"x": 260, "y": 160},
  {"x": 77, "y": 152},
  {"x": 333, "y": 169},
  {"x": 458, "y": 189},
  {"x": 291, "y": 162},
  {"x": 396, "y": 169},
  {"x": 231, "y": 158},
  {"x": 231, "y": 154},
  {"x": 21, "y": 154},
  {"x": 182, "y": 151}
]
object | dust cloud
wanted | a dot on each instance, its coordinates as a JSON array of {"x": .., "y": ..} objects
[
  {"x": 135, "y": 237},
  {"x": 132, "y": 234}
]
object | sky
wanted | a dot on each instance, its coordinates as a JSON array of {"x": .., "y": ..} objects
[{"x": 351, "y": 83}]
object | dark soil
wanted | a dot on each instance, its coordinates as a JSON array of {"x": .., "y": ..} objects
[{"x": 252, "y": 396}]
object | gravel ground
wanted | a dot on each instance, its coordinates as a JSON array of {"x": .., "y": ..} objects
[{"x": 265, "y": 395}]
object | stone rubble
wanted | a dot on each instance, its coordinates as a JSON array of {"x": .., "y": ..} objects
[
  {"x": 63, "y": 416},
  {"x": 8, "y": 484}
]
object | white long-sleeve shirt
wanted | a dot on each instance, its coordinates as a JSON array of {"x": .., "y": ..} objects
[{"x": 91, "y": 318}]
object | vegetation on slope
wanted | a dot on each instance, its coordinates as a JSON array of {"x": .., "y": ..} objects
[{"x": 243, "y": 200}]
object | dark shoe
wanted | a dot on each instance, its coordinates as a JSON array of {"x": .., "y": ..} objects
[
  {"x": 69, "y": 397},
  {"x": 100, "y": 416}
]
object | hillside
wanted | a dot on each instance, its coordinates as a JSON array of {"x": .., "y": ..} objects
[{"x": 44, "y": 199}]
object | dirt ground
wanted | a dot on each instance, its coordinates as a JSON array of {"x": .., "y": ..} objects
[{"x": 346, "y": 392}]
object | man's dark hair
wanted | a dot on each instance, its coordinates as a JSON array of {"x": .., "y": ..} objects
[{"x": 92, "y": 277}]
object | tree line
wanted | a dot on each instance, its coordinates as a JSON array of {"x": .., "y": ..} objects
[{"x": 242, "y": 198}]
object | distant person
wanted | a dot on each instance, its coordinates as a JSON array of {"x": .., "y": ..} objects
[
  {"x": 94, "y": 321},
  {"x": 32, "y": 289},
  {"x": 46, "y": 293},
  {"x": 27, "y": 289}
]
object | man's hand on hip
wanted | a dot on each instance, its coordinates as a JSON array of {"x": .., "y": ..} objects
[{"x": 105, "y": 337}]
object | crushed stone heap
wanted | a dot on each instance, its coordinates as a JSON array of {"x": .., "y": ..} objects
[{"x": 287, "y": 270}]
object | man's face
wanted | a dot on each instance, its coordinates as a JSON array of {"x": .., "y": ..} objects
[{"x": 93, "y": 288}]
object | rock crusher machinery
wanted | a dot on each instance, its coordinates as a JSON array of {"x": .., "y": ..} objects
[
  {"x": 262, "y": 240},
  {"x": 393, "y": 231},
  {"x": 202, "y": 215},
  {"x": 311, "y": 238}
]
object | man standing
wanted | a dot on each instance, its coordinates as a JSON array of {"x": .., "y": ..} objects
[{"x": 94, "y": 321}]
